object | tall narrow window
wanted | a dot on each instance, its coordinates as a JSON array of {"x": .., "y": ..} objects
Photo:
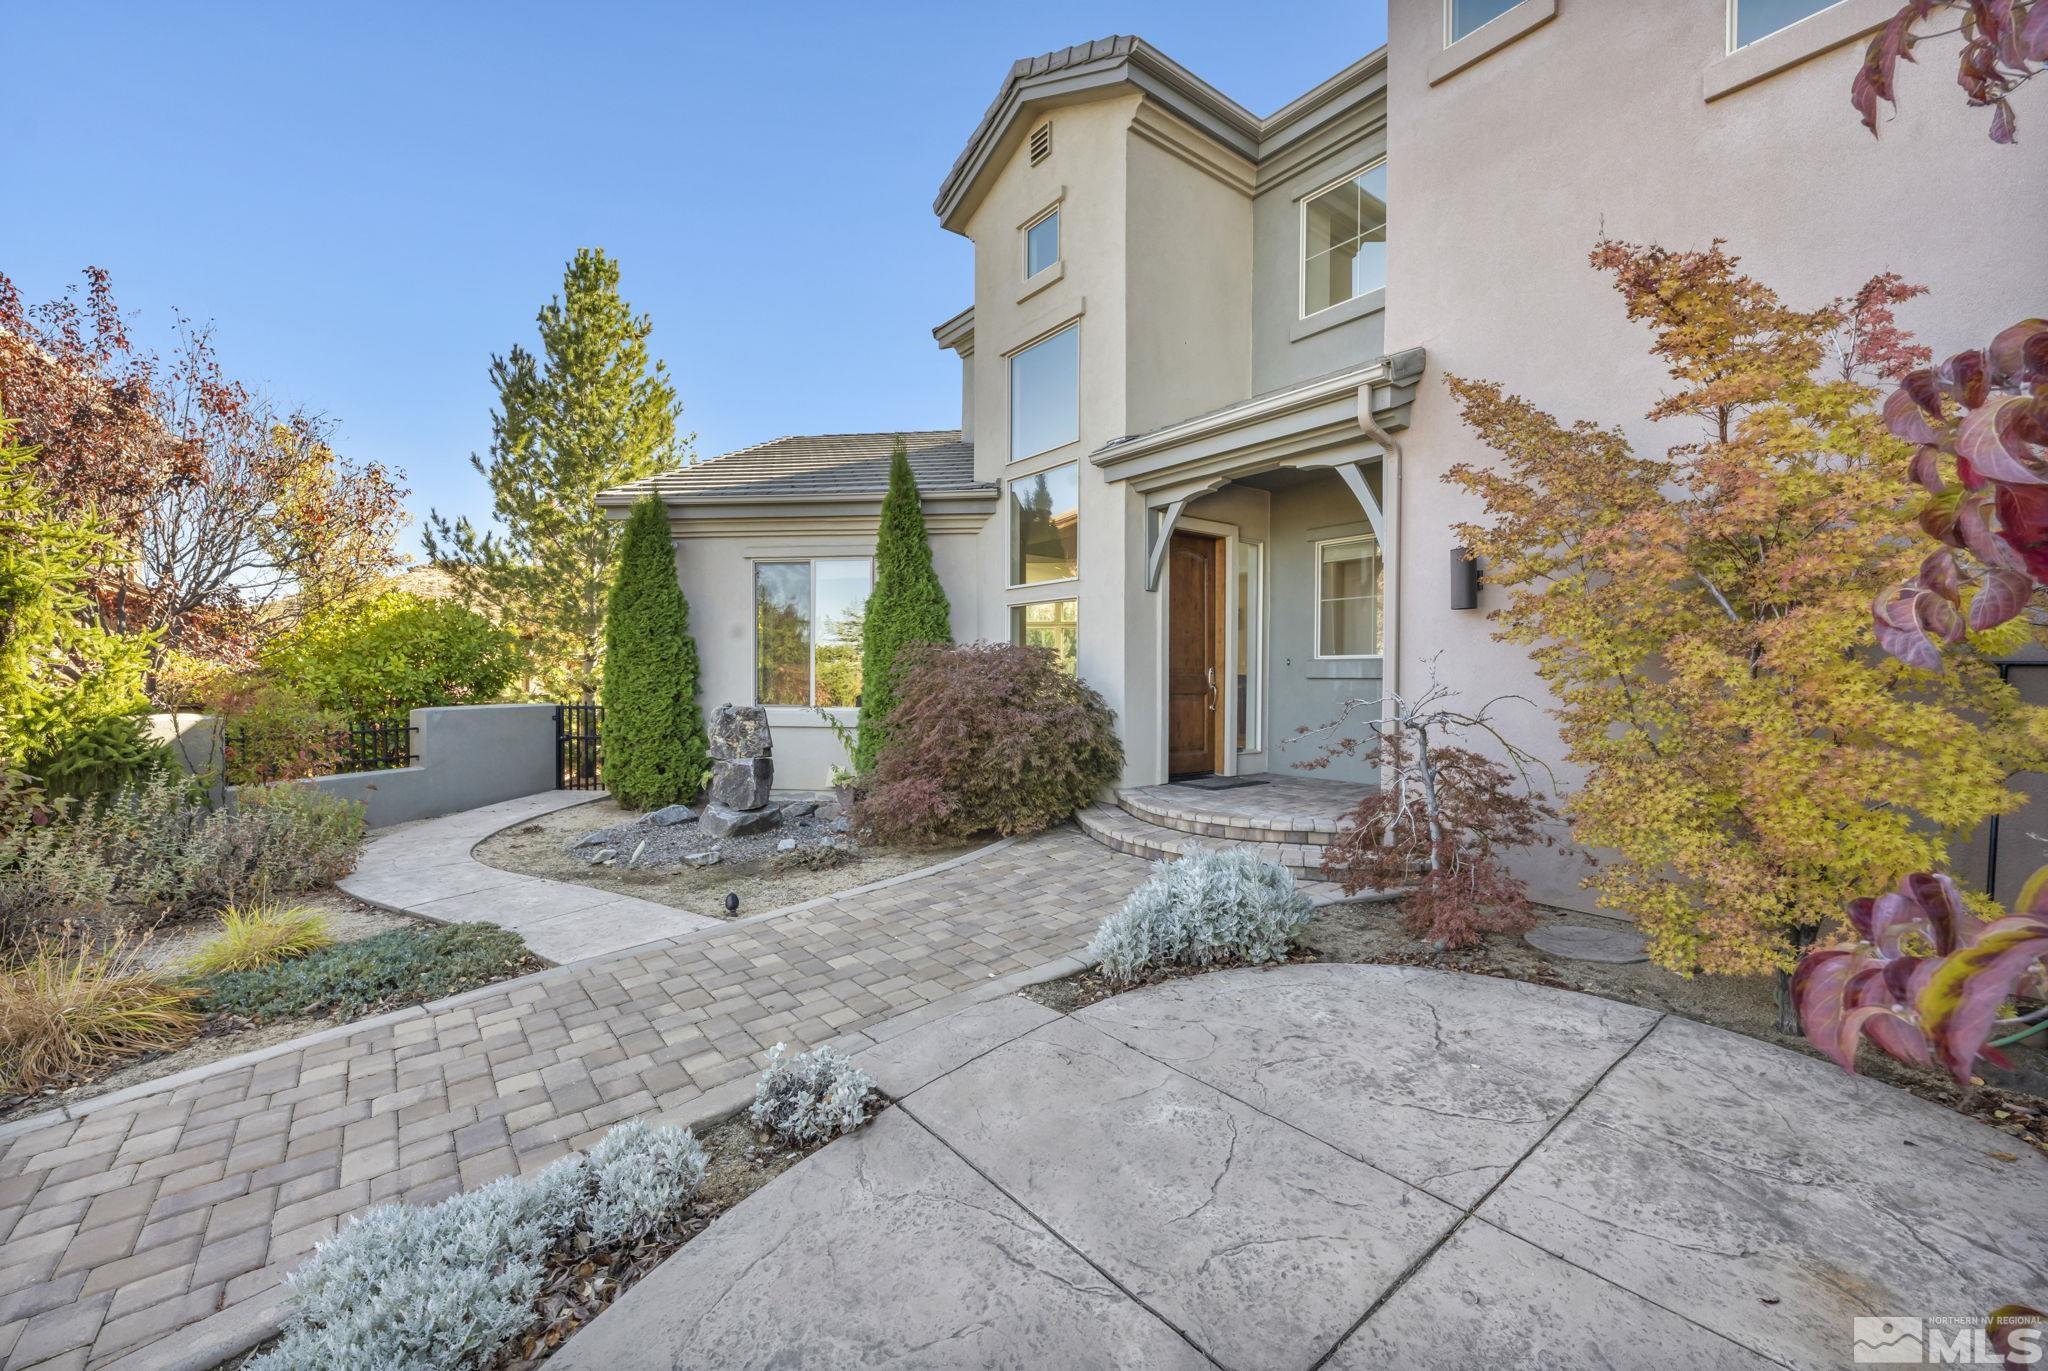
[
  {"x": 1045, "y": 526},
  {"x": 1348, "y": 598},
  {"x": 1463, "y": 16},
  {"x": 1250, "y": 634},
  {"x": 1042, "y": 244},
  {"x": 807, "y": 631},
  {"x": 1045, "y": 394},
  {"x": 1054, "y": 624},
  {"x": 1344, "y": 240},
  {"x": 1749, "y": 20}
]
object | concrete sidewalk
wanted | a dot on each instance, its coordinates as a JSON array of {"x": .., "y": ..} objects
[
  {"x": 425, "y": 868},
  {"x": 1351, "y": 1166}
]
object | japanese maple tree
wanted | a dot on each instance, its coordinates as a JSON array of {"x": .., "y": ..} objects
[{"x": 1703, "y": 620}]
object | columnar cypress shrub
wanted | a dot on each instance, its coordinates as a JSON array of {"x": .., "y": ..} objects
[
  {"x": 655, "y": 750},
  {"x": 907, "y": 605}
]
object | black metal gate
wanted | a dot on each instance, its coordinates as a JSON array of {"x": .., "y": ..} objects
[{"x": 577, "y": 757}]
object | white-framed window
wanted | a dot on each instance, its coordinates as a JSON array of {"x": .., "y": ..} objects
[
  {"x": 1042, "y": 244},
  {"x": 1054, "y": 624},
  {"x": 1344, "y": 239},
  {"x": 1348, "y": 609},
  {"x": 1749, "y": 20},
  {"x": 1045, "y": 526},
  {"x": 1045, "y": 394},
  {"x": 808, "y": 616},
  {"x": 1463, "y": 16}
]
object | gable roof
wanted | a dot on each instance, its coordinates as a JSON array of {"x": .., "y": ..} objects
[
  {"x": 1087, "y": 70},
  {"x": 820, "y": 466}
]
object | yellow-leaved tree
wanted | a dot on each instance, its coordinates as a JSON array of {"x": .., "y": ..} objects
[{"x": 1704, "y": 620}]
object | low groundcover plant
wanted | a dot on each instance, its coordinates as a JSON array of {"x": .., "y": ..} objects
[
  {"x": 812, "y": 1096},
  {"x": 403, "y": 966},
  {"x": 1207, "y": 907},
  {"x": 444, "y": 1287}
]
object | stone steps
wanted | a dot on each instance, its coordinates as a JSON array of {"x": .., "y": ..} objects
[
  {"x": 1120, "y": 830},
  {"x": 1183, "y": 810}
]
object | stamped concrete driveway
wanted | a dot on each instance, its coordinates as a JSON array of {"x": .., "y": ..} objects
[{"x": 1351, "y": 1166}]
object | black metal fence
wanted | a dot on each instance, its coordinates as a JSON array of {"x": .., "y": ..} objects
[
  {"x": 258, "y": 754},
  {"x": 579, "y": 762}
]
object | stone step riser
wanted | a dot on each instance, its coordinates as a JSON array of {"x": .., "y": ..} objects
[
  {"x": 1123, "y": 832},
  {"x": 1196, "y": 826}
]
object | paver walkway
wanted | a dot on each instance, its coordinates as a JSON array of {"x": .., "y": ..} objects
[
  {"x": 1352, "y": 1167},
  {"x": 144, "y": 1215},
  {"x": 426, "y": 868}
]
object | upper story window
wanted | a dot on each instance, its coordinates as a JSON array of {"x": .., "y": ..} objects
[
  {"x": 807, "y": 631},
  {"x": 1344, "y": 240},
  {"x": 1348, "y": 598},
  {"x": 1045, "y": 526},
  {"x": 1042, "y": 244},
  {"x": 1463, "y": 16},
  {"x": 1749, "y": 20},
  {"x": 1045, "y": 394}
]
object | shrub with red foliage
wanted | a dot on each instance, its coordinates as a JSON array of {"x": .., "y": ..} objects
[
  {"x": 1447, "y": 851},
  {"x": 986, "y": 738}
]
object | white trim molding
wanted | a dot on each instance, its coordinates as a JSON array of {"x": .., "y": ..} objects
[
  {"x": 1489, "y": 38},
  {"x": 1822, "y": 31}
]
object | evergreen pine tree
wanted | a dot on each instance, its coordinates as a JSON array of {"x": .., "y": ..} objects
[
  {"x": 655, "y": 749},
  {"x": 594, "y": 411},
  {"x": 907, "y": 605}
]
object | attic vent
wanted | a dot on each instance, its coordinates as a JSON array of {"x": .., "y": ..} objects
[{"x": 1041, "y": 143}]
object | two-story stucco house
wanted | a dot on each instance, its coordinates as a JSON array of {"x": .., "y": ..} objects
[{"x": 1203, "y": 422}]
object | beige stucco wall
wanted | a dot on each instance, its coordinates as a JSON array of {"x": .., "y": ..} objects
[
  {"x": 1503, "y": 175},
  {"x": 716, "y": 569}
]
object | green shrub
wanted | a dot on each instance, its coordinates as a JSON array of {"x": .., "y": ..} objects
[
  {"x": 275, "y": 733},
  {"x": 156, "y": 850},
  {"x": 383, "y": 657},
  {"x": 907, "y": 605},
  {"x": 987, "y": 738},
  {"x": 404, "y": 966},
  {"x": 655, "y": 749},
  {"x": 71, "y": 693}
]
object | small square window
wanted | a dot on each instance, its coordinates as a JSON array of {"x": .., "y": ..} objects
[
  {"x": 1749, "y": 20},
  {"x": 1463, "y": 16},
  {"x": 1042, "y": 244},
  {"x": 1344, "y": 240}
]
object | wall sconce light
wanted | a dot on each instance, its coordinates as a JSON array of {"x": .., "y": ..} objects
[{"x": 1464, "y": 579}]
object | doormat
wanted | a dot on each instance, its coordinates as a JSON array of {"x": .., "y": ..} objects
[{"x": 1220, "y": 782}]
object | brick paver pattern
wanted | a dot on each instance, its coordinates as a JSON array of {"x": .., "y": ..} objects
[{"x": 135, "y": 1220}]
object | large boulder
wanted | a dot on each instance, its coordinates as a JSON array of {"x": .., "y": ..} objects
[
  {"x": 719, "y": 822},
  {"x": 742, "y": 782},
  {"x": 741, "y": 731}
]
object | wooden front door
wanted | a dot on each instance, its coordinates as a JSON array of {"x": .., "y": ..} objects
[{"x": 1194, "y": 656}]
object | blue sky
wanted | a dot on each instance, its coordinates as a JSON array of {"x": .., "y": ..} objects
[{"x": 367, "y": 201}]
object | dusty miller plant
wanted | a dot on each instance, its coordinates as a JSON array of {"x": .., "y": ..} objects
[
  {"x": 812, "y": 1096},
  {"x": 1206, "y": 907},
  {"x": 1443, "y": 817},
  {"x": 443, "y": 1288}
]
